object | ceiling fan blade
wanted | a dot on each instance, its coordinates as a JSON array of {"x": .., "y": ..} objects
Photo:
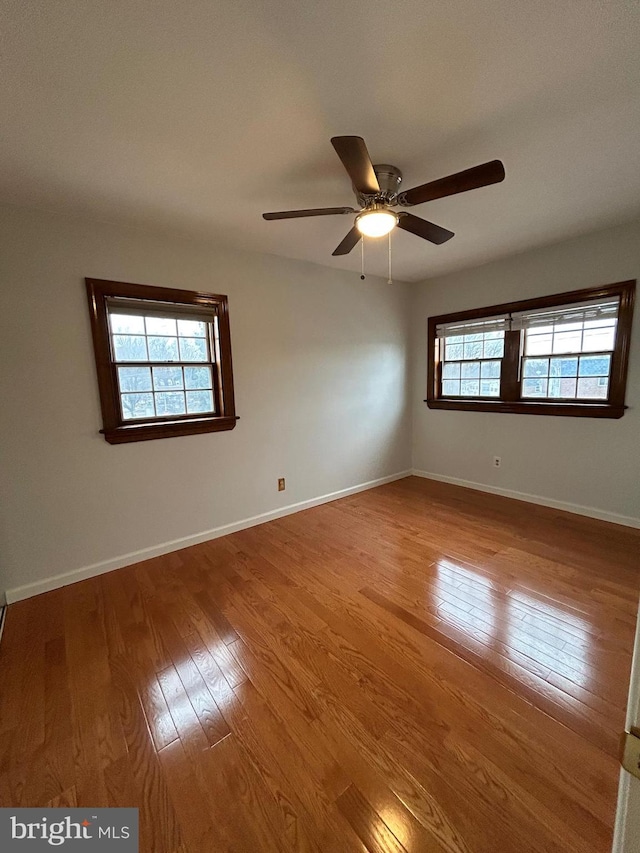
[
  {"x": 422, "y": 228},
  {"x": 351, "y": 240},
  {"x": 318, "y": 211},
  {"x": 470, "y": 179},
  {"x": 355, "y": 158}
]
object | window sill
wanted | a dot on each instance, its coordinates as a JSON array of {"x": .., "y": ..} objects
[
  {"x": 167, "y": 429},
  {"x": 572, "y": 410}
]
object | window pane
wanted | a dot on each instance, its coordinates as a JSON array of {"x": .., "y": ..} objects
[
  {"x": 470, "y": 387},
  {"x": 494, "y": 348},
  {"x": 453, "y": 351},
  {"x": 167, "y": 377},
  {"x": 490, "y": 369},
  {"x": 192, "y": 328},
  {"x": 534, "y": 387},
  {"x": 489, "y": 388},
  {"x": 593, "y": 388},
  {"x": 562, "y": 388},
  {"x": 126, "y": 324},
  {"x": 471, "y": 370},
  {"x": 600, "y": 324},
  {"x": 170, "y": 403},
  {"x": 536, "y": 367},
  {"x": 129, "y": 348},
  {"x": 472, "y": 349},
  {"x": 193, "y": 349},
  {"x": 538, "y": 344},
  {"x": 199, "y": 401},
  {"x": 597, "y": 340},
  {"x": 576, "y": 326},
  {"x": 134, "y": 379},
  {"x": 450, "y": 388},
  {"x": 567, "y": 340},
  {"x": 200, "y": 377},
  {"x": 450, "y": 370},
  {"x": 598, "y": 365},
  {"x": 567, "y": 387},
  {"x": 137, "y": 406},
  {"x": 564, "y": 366},
  {"x": 161, "y": 326},
  {"x": 163, "y": 349}
]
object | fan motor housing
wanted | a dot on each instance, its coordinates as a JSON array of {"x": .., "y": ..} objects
[{"x": 389, "y": 178}]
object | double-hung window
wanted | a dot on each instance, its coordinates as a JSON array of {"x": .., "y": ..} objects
[
  {"x": 565, "y": 354},
  {"x": 568, "y": 352},
  {"x": 164, "y": 361},
  {"x": 472, "y": 358}
]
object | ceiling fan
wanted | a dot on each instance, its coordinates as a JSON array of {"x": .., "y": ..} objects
[{"x": 377, "y": 192}]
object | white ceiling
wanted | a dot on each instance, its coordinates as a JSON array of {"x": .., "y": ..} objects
[{"x": 199, "y": 115}]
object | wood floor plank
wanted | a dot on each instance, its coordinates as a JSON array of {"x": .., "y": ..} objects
[
  {"x": 415, "y": 668},
  {"x": 367, "y": 823},
  {"x": 189, "y": 802},
  {"x": 159, "y": 827},
  {"x": 307, "y": 779},
  {"x": 161, "y": 726},
  {"x": 300, "y": 832},
  {"x": 196, "y": 627},
  {"x": 244, "y": 790},
  {"x": 406, "y": 828}
]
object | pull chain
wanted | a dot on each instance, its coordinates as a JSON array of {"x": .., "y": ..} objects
[{"x": 362, "y": 275}]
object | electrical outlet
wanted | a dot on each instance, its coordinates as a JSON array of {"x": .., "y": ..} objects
[
  {"x": 281, "y": 484},
  {"x": 497, "y": 461}
]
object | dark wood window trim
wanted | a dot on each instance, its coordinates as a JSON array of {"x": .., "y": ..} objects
[
  {"x": 115, "y": 429},
  {"x": 510, "y": 400}
]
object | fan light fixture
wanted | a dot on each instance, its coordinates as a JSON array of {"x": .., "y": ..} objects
[{"x": 376, "y": 222}]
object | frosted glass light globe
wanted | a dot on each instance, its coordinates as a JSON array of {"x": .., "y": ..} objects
[{"x": 376, "y": 223}]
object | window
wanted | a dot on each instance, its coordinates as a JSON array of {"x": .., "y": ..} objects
[
  {"x": 565, "y": 354},
  {"x": 472, "y": 360},
  {"x": 568, "y": 356},
  {"x": 164, "y": 361}
]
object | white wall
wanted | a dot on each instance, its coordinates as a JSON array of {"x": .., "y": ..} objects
[
  {"x": 584, "y": 462},
  {"x": 320, "y": 367}
]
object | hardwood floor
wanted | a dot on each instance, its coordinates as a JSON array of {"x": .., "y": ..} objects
[{"x": 418, "y": 667}]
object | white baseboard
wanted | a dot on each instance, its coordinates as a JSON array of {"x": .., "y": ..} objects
[
  {"x": 46, "y": 585},
  {"x": 589, "y": 511}
]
